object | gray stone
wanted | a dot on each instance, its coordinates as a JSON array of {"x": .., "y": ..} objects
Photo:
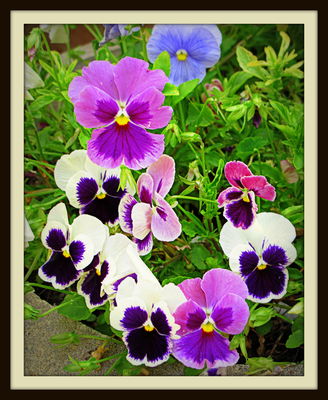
[{"x": 43, "y": 358}]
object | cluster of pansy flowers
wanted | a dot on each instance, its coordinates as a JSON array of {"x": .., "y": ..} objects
[{"x": 191, "y": 320}]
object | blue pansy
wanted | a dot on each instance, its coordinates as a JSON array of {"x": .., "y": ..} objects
[
  {"x": 113, "y": 31},
  {"x": 192, "y": 49}
]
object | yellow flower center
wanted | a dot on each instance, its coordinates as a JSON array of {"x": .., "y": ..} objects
[
  {"x": 181, "y": 55},
  {"x": 122, "y": 120},
  {"x": 208, "y": 327},
  {"x": 246, "y": 198},
  {"x": 101, "y": 195},
  {"x": 66, "y": 254},
  {"x": 148, "y": 328},
  {"x": 262, "y": 266},
  {"x": 98, "y": 272}
]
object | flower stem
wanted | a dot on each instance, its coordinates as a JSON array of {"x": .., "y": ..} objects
[
  {"x": 50, "y": 288},
  {"x": 192, "y": 198}
]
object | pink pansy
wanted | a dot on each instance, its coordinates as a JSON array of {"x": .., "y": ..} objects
[
  {"x": 152, "y": 216},
  {"x": 121, "y": 101},
  {"x": 215, "y": 304},
  {"x": 239, "y": 199}
]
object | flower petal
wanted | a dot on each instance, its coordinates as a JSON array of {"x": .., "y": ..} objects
[
  {"x": 199, "y": 349},
  {"x": 228, "y": 195},
  {"x": 189, "y": 316},
  {"x": 163, "y": 172},
  {"x": 67, "y": 166},
  {"x": 130, "y": 313},
  {"x": 183, "y": 71},
  {"x": 92, "y": 228},
  {"x": 192, "y": 290},
  {"x": 165, "y": 224},
  {"x": 218, "y": 282},
  {"x": 144, "y": 245},
  {"x": 126, "y": 144},
  {"x": 132, "y": 77},
  {"x": 81, "y": 251},
  {"x": 81, "y": 189},
  {"x": 260, "y": 186},
  {"x": 276, "y": 228},
  {"x": 59, "y": 270},
  {"x": 58, "y": 213},
  {"x": 231, "y": 314},
  {"x": 124, "y": 211},
  {"x": 145, "y": 187},
  {"x": 241, "y": 213},
  {"x": 234, "y": 171},
  {"x": 95, "y": 108},
  {"x": 54, "y": 236},
  {"x": 141, "y": 220}
]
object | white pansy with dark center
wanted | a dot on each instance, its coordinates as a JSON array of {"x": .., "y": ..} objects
[
  {"x": 261, "y": 254},
  {"x": 73, "y": 247},
  {"x": 92, "y": 189}
]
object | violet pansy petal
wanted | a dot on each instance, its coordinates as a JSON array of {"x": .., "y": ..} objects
[
  {"x": 228, "y": 195},
  {"x": 145, "y": 187},
  {"x": 144, "y": 245},
  {"x": 141, "y": 220},
  {"x": 192, "y": 290},
  {"x": 260, "y": 186},
  {"x": 241, "y": 213},
  {"x": 139, "y": 113},
  {"x": 231, "y": 313},
  {"x": 130, "y": 312},
  {"x": 59, "y": 270},
  {"x": 165, "y": 224},
  {"x": 67, "y": 166},
  {"x": 81, "y": 189},
  {"x": 162, "y": 171},
  {"x": 124, "y": 211},
  {"x": 243, "y": 259},
  {"x": 99, "y": 74},
  {"x": 189, "y": 316},
  {"x": 218, "y": 282},
  {"x": 132, "y": 77},
  {"x": 234, "y": 171},
  {"x": 199, "y": 349},
  {"x": 129, "y": 144},
  {"x": 54, "y": 236},
  {"x": 95, "y": 108}
]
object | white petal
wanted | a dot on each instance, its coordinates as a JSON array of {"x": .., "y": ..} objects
[
  {"x": 97, "y": 171},
  {"x": 28, "y": 233},
  {"x": 117, "y": 314},
  {"x": 67, "y": 166},
  {"x": 276, "y": 227},
  {"x": 72, "y": 187},
  {"x": 231, "y": 237},
  {"x": 88, "y": 251},
  {"x": 173, "y": 296},
  {"x": 91, "y": 227},
  {"x": 141, "y": 220}
]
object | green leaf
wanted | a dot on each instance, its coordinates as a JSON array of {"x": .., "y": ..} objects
[
  {"x": 236, "y": 81},
  {"x": 184, "y": 89},
  {"x": 249, "y": 145},
  {"x": 176, "y": 280},
  {"x": 271, "y": 55},
  {"x": 261, "y": 316},
  {"x": 284, "y": 44},
  {"x": 84, "y": 137},
  {"x": 42, "y": 101},
  {"x": 198, "y": 255},
  {"x": 75, "y": 307},
  {"x": 187, "y": 371},
  {"x": 295, "y": 339},
  {"x": 282, "y": 111},
  {"x": 245, "y": 59},
  {"x": 163, "y": 62},
  {"x": 170, "y": 90}
]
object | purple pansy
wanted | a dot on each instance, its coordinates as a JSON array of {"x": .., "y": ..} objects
[
  {"x": 144, "y": 314},
  {"x": 260, "y": 254},
  {"x": 92, "y": 189},
  {"x": 73, "y": 247},
  {"x": 152, "y": 216},
  {"x": 239, "y": 199},
  {"x": 192, "y": 49},
  {"x": 216, "y": 303},
  {"x": 121, "y": 101},
  {"x": 113, "y": 31}
]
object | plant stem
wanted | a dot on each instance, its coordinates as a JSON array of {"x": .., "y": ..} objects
[
  {"x": 192, "y": 198},
  {"x": 35, "y": 132},
  {"x": 49, "y": 203},
  {"x": 50, "y": 288},
  {"x": 100, "y": 338},
  {"x": 31, "y": 268}
]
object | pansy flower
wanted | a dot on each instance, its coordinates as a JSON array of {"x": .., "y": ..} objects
[
  {"x": 239, "y": 200},
  {"x": 192, "y": 49},
  {"x": 144, "y": 314},
  {"x": 73, "y": 247},
  {"x": 113, "y": 31},
  {"x": 121, "y": 101},
  {"x": 152, "y": 216},
  {"x": 215, "y": 304},
  {"x": 261, "y": 254},
  {"x": 92, "y": 189}
]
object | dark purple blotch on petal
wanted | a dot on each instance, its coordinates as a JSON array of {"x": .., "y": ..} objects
[
  {"x": 195, "y": 319},
  {"x": 86, "y": 189},
  {"x": 134, "y": 317},
  {"x": 234, "y": 195},
  {"x": 261, "y": 283},
  {"x": 152, "y": 345},
  {"x": 248, "y": 261},
  {"x": 77, "y": 250},
  {"x": 145, "y": 195},
  {"x": 222, "y": 316},
  {"x": 61, "y": 268},
  {"x": 91, "y": 285},
  {"x": 160, "y": 322},
  {"x": 161, "y": 212},
  {"x": 275, "y": 255},
  {"x": 144, "y": 243},
  {"x": 106, "y": 111},
  {"x": 240, "y": 213},
  {"x": 56, "y": 239},
  {"x": 119, "y": 281}
]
